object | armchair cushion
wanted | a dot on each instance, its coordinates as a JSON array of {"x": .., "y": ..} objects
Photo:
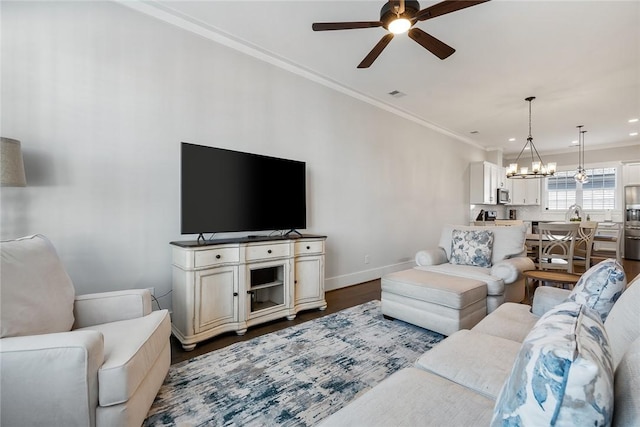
[
  {"x": 36, "y": 294},
  {"x": 131, "y": 348}
]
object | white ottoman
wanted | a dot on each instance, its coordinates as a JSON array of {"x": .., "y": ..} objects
[{"x": 434, "y": 301}]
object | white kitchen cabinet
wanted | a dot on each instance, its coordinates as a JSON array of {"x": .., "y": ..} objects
[
  {"x": 524, "y": 192},
  {"x": 233, "y": 284},
  {"x": 484, "y": 181},
  {"x": 631, "y": 173}
]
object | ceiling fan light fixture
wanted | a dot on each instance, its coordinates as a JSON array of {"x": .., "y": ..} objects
[{"x": 399, "y": 25}]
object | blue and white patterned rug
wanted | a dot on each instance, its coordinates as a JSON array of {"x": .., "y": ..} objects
[{"x": 293, "y": 377}]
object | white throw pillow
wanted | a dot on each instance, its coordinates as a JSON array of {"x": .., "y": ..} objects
[
  {"x": 600, "y": 287},
  {"x": 563, "y": 375},
  {"x": 36, "y": 294}
]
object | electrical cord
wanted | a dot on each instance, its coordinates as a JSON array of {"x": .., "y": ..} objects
[{"x": 161, "y": 296}]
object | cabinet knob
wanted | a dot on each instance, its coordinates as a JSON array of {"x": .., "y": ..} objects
[
  {"x": 250, "y": 292},
  {"x": 269, "y": 251},
  {"x": 308, "y": 247},
  {"x": 235, "y": 294},
  {"x": 218, "y": 256}
]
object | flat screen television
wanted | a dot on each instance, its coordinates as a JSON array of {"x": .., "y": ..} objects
[{"x": 231, "y": 191}]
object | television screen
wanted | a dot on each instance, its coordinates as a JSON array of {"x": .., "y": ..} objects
[{"x": 225, "y": 190}]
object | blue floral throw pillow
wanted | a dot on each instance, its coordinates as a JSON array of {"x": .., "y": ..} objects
[
  {"x": 471, "y": 247},
  {"x": 563, "y": 375},
  {"x": 600, "y": 287}
]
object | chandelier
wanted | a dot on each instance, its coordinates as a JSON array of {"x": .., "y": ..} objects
[
  {"x": 581, "y": 174},
  {"x": 538, "y": 168}
]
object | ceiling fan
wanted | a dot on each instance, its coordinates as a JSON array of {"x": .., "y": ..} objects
[{"x": 399, "y": 16}]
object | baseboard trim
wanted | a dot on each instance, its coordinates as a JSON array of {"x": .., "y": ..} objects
[{"x": 350, "y": 279}]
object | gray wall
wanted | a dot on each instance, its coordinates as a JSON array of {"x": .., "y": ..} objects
[{"x": 101, "y": 97}]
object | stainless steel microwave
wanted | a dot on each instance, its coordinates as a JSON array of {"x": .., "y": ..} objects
[{"x": 503, "y": 196}]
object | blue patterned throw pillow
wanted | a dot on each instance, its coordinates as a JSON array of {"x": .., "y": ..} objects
[
  {"x": 600, "y": 287},
  {"x": 471, "y": 247},
  {"x": 563, "y": 375}
]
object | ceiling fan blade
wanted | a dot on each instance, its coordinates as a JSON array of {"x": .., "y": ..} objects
[
  {"x": 328, "y": 26},
  {"x": 445, "y": 7},
  {"x": 432, "y": 44},
  {"x": 376, "y": 51}
]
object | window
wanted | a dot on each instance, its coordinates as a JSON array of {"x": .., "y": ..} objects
[
  {"x": 561, "y": 190},
  {"x": 597, "y": 194},
  {"x": 600, "y": 191}
]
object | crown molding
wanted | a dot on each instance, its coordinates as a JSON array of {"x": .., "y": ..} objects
[{"x": 195, "y": 26}]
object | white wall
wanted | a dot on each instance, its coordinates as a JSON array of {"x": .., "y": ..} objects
[{"x": 101, "y": 97}]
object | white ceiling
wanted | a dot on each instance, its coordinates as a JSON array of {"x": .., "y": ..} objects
[{"x": 580, "y": 59}]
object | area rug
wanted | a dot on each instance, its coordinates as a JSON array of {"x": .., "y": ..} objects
[{"x": 293, "y": 377}]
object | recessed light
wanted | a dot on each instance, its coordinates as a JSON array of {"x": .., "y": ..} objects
[
  {"x": 633, "y": 134},
  {"x": 512, "y": 139},
  {"x": 397, "y": 94},
  {"x": 633, "y": 120},
  {"x": 574, "y": 142},
  {"x": 474, "y": 132}
]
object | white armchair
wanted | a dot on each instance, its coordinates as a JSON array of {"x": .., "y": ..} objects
[
  {"x": 504, "y": 279},
  {"x": 90, "y": 360}
]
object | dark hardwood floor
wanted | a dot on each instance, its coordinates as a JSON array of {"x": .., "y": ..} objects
[{"x": 336, "y": 300}]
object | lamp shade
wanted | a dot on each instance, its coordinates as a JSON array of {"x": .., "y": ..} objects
[{"x": 11, "y": 164}]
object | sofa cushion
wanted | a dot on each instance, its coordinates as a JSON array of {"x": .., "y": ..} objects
[
  {"x": 623, "y": 322},
  {"x": 474, "y": 360},
  {"x": 626, "y": 396},
  {"x": 563, "y": 374},
  {"x": 131, "y": 347},
  {"x": 507, "y": 241},
  {"x": 600, "y": 287},
  {"x": 36, "y": 293},
  {"x": 413, "y": 397},
  {"x": 510, "y": 321},
  {"x": 471, "y": 247}
]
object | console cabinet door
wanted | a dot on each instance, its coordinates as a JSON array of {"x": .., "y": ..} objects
[
  {"x": 216, "y": 298},
  {"x": 309, "y": 279}
]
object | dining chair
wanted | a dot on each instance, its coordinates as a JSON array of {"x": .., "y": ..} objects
[
  {"x": 584, "y": 245},
  {"x": 556, "y": 244},
  {"x": 613, "y": 249}
]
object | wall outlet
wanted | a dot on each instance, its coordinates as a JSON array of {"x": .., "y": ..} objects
[
  {"x": 153, "y": 291},
  {"x": 367, "y": 258}
]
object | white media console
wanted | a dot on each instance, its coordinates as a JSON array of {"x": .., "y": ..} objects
[{"x": 232, "y": 284}]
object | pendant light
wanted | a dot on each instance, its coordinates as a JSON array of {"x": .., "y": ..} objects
[
  {"x": 538, "y": 168},
  {"x": 581, "y": 174}
]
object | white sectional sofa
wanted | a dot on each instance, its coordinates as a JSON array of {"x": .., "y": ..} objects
[{"x": 472, "y": 377}]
